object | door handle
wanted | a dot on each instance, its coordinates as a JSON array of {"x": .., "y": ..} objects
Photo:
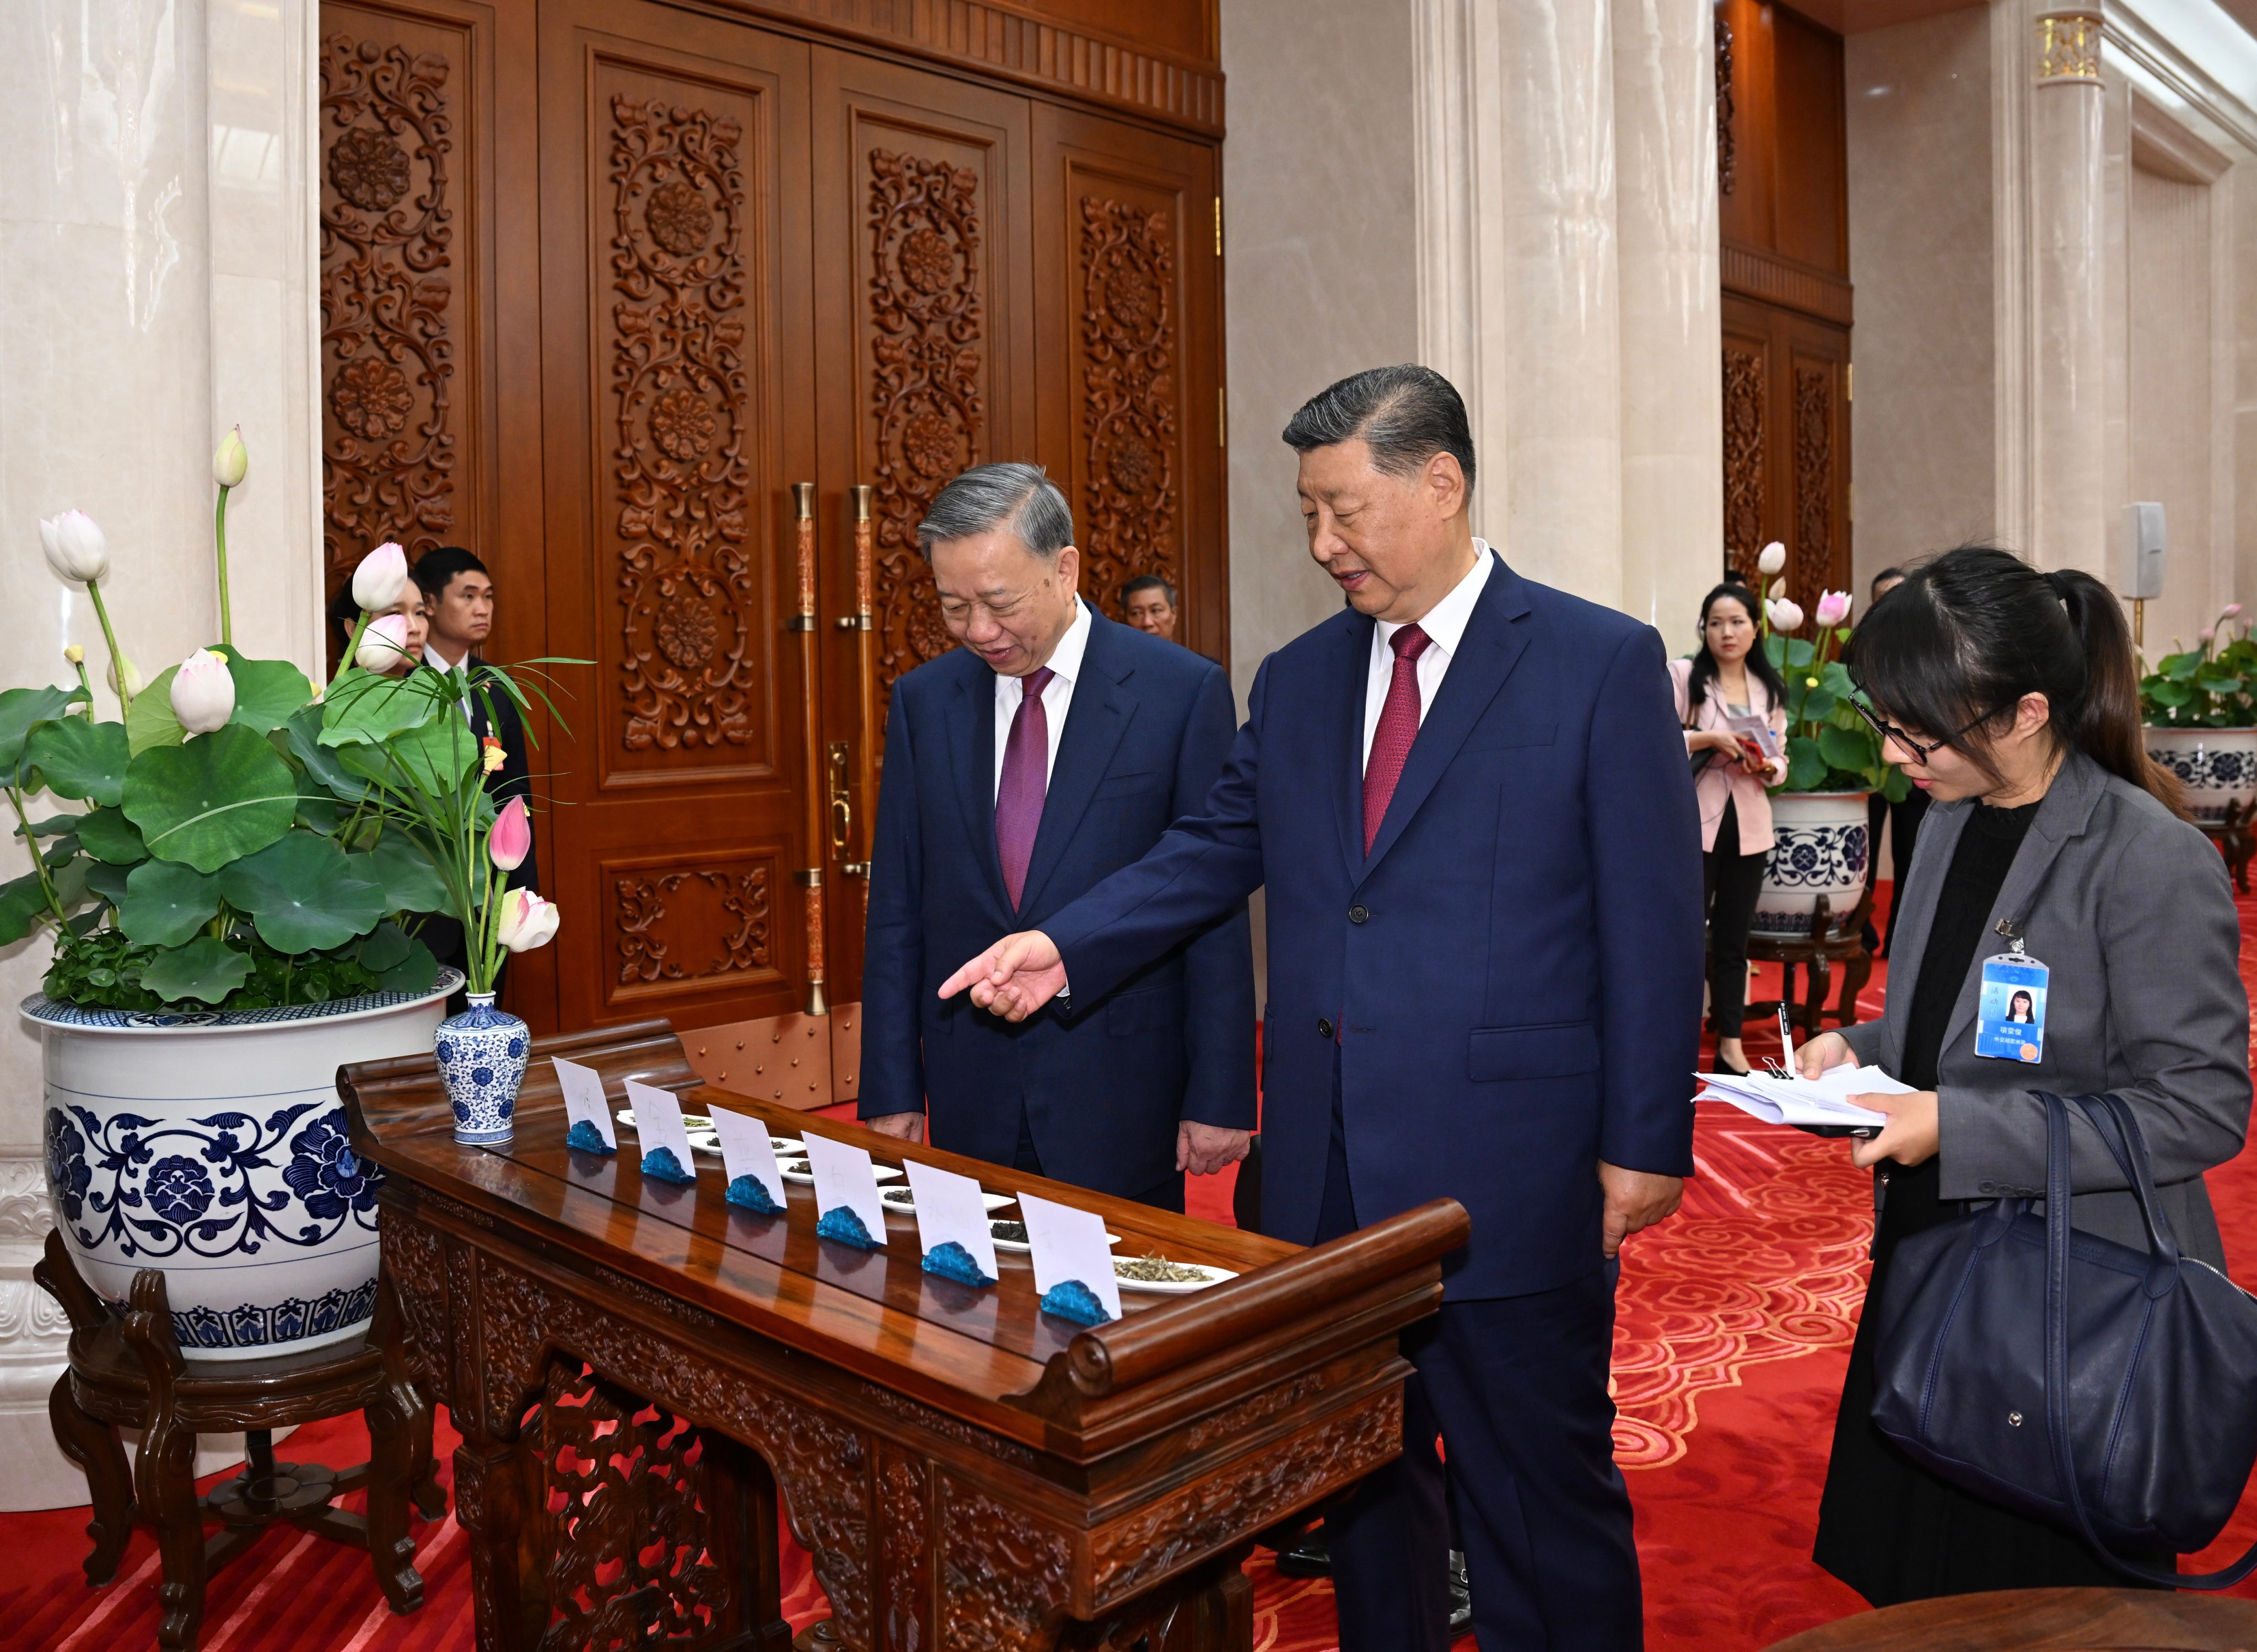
[
  {"x": 810, "y": 878},
  {"x": 861, "y": 765}
]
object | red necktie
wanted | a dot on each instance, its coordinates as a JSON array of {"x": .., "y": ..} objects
[
  {"x": 1026, "y": 781},
  {"x": 1398, "y": 727}
]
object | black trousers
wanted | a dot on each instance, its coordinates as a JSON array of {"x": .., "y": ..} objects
[
  {"x": 1168, "y": 1196},
  {"x": 1516, "y": 1387},
  {"x": 1731, "y": 882}
]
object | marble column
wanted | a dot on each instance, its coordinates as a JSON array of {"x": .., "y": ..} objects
[
  {"x": 157, "y": 260},
  {"x": 2068, "y": 359}
]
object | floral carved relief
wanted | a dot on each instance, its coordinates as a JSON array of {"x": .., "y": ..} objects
[
  {"x": 928, "y": 416},
  {"x": 1130, "y": 389},
  {"x": 390, "y": 457},
  {"x": 1743, "y": 460},
  {"x": 1813, "y": 476},
  {"x": 680, "y": 469},
  {"x": 646, "y": 954}
]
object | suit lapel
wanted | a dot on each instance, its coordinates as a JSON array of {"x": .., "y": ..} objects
[
  {"x": 971, "y": 750},
  {"x": 2065, "y": 813},
  {"x": 1094, "y": 723},
  {"x": 1351, "y": 681},
  {"x": 1492, "y": 646}
]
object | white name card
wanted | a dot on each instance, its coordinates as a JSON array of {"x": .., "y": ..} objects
[
  {"x": 1070, "y": 1244},
  {"x": 747, "y": 1150},
  {"x": 658, "y": 1124},
  {"x": 583, "y": 1098},
  {"x": 950, "y": 1210},
  {"x": 845, "y": 1176}
]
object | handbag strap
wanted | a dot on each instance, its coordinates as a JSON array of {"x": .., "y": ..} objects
[
  {"x": 2112, "y": 1120},
  {"x": 2056, "y": 1334}
]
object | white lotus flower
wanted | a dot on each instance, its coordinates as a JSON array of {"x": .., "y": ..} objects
[
  {"x": 1785, "y": 615},
  {"x": 384, "y": 645},
  {"x": 526, "y": 921},
  {"x": 1771, "y": 558},
  {"x": 203, "y": 692},
  {"x": 74, "y": 547},
  {"x": 231, "y": 459},
  {"x": 380, "y": 578}
]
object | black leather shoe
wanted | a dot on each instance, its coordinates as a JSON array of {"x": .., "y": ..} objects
[
  {"x": 1308, "y": 1558},
  {"x": 1461, "y": 1596}
]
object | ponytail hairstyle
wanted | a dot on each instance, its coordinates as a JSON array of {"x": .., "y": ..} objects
[
  {"x": 1758, "y": 662},
  {"x": 1951, "y": 652}
]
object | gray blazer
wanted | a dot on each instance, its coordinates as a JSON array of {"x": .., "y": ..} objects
[{"x": 2130, "y": 910}]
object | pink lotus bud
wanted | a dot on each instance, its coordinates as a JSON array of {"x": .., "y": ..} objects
[
  {"x": 2232, "y": 611},
  {"x": 380, "y": 578},
  {"x": 384, "y": 645},
  {"x": 2205, "y": 634},
  {"x": 526, "y": 921},
  {"x": 1832, "y": 609},
  {"x": 1771, "y": 560},
  {"x": 511, "y": 840},
  {"x": 203, "y": 692},
  {"x": 1785, "y": 614}
]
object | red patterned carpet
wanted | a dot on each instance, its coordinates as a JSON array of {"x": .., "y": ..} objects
[{"x": 1734, "y": 1323}]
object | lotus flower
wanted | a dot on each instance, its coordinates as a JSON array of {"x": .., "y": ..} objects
[
  {"x": 1771, "y": 560},
  {"x": 511, "y": 840},
  {"x": 2206, "y": 635},
  {"x": 1785, "y": 614},
  {"x": 491, "y": 756},
  {"x": 384, "y": 645},
  {"x": 1832, "y": 609},
  {"x": 231, "y": 461},
  {"x": 380, "y": 578},
  {"x": 133, "y": 683},
  {"x": 74, "y": 547},
  {"x": 526, "y": 921},
  {"x": 203, "y": 692}
]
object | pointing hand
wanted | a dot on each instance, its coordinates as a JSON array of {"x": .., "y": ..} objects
[{"x": 1013, "y": 978}]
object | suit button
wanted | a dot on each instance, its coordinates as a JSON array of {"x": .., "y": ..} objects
[
  {"x": 1357, "y": 914},
  {"x": 1324, "y": 1028},
  {"x": 1990, "y": 1187}
]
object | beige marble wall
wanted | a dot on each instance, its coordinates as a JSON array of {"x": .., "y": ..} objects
[
  {"x": 1918, "y": 119},
  {"x": 155, "y": 247}
]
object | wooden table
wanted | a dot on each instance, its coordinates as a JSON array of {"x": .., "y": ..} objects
[
  {"x": 2044, "y": 1621},
  {"x": 636, "y": 1367}
]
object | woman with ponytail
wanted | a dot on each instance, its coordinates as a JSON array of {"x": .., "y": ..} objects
[{"x": 2010, "y": 697}]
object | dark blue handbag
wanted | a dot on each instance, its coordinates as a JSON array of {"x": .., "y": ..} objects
[{"x": 2106, "y": 1390}]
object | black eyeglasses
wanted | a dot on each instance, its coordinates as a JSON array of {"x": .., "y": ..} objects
[{"x": 1888, "y": 731}]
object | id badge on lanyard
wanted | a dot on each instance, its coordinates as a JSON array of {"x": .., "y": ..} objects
[{"x": 2010, "y": 1015}]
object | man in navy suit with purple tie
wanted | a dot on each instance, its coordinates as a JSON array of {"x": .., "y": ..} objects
[{"x": 1466, "y": 798}]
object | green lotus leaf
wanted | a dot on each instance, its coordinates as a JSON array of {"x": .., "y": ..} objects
[
  {"x": 151, "y": 722},
  {"x": 107, "y": 835},
  {"x": 166, "y": 903},
  {"x": 1805, "y": 763},
  {"x": 410, "y": 879},
  {"x": 81, "y": 759},
  {"x": 304, "y": 733},
  {"x": 1799, "y": 653},
  {"x": 1847, "y": 748},
  {"x": 207, "y": 969},
  {"x": 22, "y": 899},
  {"x": 383, "y": 947},
  {"x": 110, "y": 882},
  {"x": 1898, "y": 787},
  {"x": 24, "y": 709},
  {"x": 366, "y": 709},
  {"x": 302, "y": 893},
  {"x": 52, "y": 826},
  {"x": 414, "y": 973},
  {"x": 213, "y": 801},
  {"x": 434, "y": 758},
  {"x": 267, "y": 692}
]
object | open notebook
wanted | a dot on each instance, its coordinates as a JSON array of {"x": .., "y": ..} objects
[{"x": 1820, "y": 1104}]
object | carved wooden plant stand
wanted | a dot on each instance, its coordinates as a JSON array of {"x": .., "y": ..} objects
[
  {"x": 126, "y": 1372},
  {"x": 636, "y": 1368},
  {"x": 1819, "y": 952}
]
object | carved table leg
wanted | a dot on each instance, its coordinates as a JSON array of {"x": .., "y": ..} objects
[
  {"x": 508, "y": 1594},
  {"x": 390, "y": 1471},
  {"x": 426, "y": 1495},
  {"x": 1209, "y": 1608},
  {"x": 164, "y": 1473},
  {"x": 1857, "y": 970},
  {"x": 94, "y": 1445}
]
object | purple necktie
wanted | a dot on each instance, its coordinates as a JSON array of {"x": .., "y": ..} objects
[
  {"x": 1026, "y": 780},
  {"x": 1398, "y": 727}
]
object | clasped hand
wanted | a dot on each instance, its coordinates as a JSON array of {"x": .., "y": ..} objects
[{"x": 1915, "y": 1131}]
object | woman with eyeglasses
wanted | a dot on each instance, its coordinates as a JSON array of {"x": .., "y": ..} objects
[
  {"x": 2010, "y": 698},
  {"x": 1730, "y": 677}
]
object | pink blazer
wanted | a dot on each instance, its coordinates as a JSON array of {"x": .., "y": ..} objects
[{"x": 1721, "y": 780}]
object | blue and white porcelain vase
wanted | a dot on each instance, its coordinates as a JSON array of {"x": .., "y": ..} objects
[
  {"x": 482, "y": 1062},
  {"x": 211, "y": 1144},
  {"x": 1820, "y": 846},
  {"x": 2218, "y": 766}
]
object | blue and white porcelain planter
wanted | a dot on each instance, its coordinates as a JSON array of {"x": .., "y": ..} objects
[
  {"x": 1820, "y": 846},
  {"x": 482, "y": 1062},
  {"x": 212, "y": 1145},
  {"x": 2218, "y": 766}
]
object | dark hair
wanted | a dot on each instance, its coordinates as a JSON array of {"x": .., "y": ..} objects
[
  {"x": 436, "y": 568},
  {"x": 1148, "y": 582},
  {"x": 1406, "y": 414},
  {"x": 1873, "y": 585},
  {"x": 1953, "y": 650},
  {"x": 1019, "y": 496},
  {"x": 1704, "y": 663}
]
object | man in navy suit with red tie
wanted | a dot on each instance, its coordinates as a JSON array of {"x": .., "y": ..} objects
[
  {"x": 1466, "y": 797},
  {"x": 1050, "y": 750}
]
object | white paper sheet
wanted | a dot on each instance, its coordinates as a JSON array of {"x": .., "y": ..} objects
[
  {"x": 658, "y": 1123},
  {"x": 1823, "y": 1101},
  {"x": 1070, "y": 1244},
  {"x": 843, "y": 1176},
  {"x": 950, "y": 1206},
  {"x": 584, "y": 1098},
  {"x": 746, "y": 1149}
]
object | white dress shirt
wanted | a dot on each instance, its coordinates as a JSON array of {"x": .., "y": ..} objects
[
  {"x": 456, "y": 668},
  {"x": 1057, "y": 694},
  {"x": 1445, "y": 625}
]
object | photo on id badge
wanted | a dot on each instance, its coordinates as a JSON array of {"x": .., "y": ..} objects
[{"x": 2010, "y": 1018}]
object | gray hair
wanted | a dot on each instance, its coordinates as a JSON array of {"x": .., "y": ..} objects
[
  {"x": 1406, "y": 414},
  {"x": 988, "y": 496}
]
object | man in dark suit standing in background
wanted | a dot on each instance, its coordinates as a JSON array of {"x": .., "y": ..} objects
[
  {"x": 1467, "y": 796},
  {"x": 1049, "y": 749}
]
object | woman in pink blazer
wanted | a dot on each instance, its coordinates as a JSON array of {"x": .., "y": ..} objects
[{"x": 1730, "y": 676}]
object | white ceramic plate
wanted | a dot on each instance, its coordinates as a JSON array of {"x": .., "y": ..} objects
[
  {"x": 797, "y": 1170},
  {"x": 698, "y": 1124},
  {"x": 899, "y": 1199},
  {"x": 689, "y": 1120},
  {"x": 1020, "y": 1247},
  {"x": 1158, "y": 1288}
]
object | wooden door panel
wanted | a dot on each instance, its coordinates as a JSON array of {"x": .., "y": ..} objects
[
  {"x": 1817, "y": 356},
  {"x": 1748, "y": 432},
  {"x": 1127, "y": 284},
  {"x": 677, "y": 371}
]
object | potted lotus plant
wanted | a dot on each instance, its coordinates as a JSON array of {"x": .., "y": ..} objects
[
  {"x": 1820, "y": 837},
  {"x": 2200, "y": 708},
  {"x": 230, "y": 875}
]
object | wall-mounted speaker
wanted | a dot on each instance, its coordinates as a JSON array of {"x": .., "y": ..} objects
[{"x": 2140, "y": 567}]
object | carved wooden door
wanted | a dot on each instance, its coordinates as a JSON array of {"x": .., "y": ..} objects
[
  {"x": 678, "y": 378},
  {"x": 1787, "y": 444}
]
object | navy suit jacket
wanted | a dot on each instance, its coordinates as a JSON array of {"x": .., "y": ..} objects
[
  {"x": 1170, "y": 1038},
  {"x": 1515, "y": 968}
]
